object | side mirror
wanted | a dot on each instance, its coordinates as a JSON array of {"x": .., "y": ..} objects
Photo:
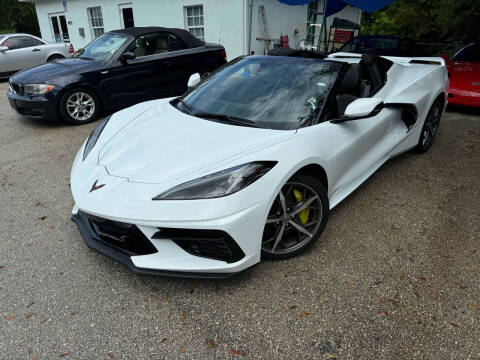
[
  {"x": 128, "y": 55},
  {"x": 193, "y": 80},
  {"x": 360, "y": 109},
  {"x": 364, "y": 107},
  {"x": 3, "y": 48}
]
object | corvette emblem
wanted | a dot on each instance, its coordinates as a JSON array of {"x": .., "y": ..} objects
[{"x": 95, "y": 186}]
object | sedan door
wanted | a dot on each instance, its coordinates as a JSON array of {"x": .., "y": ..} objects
[{"x": 23, "y": 52}]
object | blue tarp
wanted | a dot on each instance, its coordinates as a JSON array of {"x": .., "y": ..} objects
[{"x": 334, "y": 6}]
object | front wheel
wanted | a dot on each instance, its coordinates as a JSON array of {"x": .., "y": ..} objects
[
  {"x": 79, "y": 107},
  {"x": 430, "y": 127},
  {"x": 296, "y": 219}
]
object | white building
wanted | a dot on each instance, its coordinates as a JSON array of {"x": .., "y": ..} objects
[{"x": 217, "y": 21}]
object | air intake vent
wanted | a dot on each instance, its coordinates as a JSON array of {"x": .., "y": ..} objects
[
  {"x": 122, "y": 236},
  {"x": 212, "y": 244}
]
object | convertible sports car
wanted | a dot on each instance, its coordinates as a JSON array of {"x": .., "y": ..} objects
[
  {"x": 116, "y": 70},
  {"x": 464, "y": 70},
  {"x": 248, "y": 164}
]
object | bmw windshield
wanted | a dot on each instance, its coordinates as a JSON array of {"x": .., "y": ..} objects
[
  {"x": 104, "y": 47},
  {"x": 265, "y": 91}
]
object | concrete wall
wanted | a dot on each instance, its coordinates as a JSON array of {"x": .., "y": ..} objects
[{"x": 224, "y": 19}]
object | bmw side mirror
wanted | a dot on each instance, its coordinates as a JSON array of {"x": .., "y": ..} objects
[
  {"x": 128, "y": 55},
  {"x": 193, "y": 80},
  {"x": 361, "y": 109},
  {"x": 3, "y": 48}
]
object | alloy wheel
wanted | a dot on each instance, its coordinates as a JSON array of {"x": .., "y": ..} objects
[
  {"x": 80, "y": 106},
  {"x": 432, "y": 123},
  {"x": 293, "y": 220}
]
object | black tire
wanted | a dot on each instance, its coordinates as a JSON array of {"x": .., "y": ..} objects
[
  {"x": 66, "y": 111},
  {"x": 291, "y": 243},
  {"x": 55, "y": 57},
  {"x": 431, "y": 125}
]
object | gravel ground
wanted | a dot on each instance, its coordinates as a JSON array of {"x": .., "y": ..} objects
[{"x": 396, "y": 274}]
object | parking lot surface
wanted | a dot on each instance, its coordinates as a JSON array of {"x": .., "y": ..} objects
[{"x": 395, "y": 275}]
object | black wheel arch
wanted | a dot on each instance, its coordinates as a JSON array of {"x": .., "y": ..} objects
[
  {"x": 56, "y": 56},
  {"x": 316, "y": 171}
]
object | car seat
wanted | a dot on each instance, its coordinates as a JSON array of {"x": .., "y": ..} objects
[
  {"x": 350, "y": 87},
  {"x": 161, "y": 45}
]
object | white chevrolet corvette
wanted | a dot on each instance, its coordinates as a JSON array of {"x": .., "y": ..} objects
[{"x": 248, "y": 164}]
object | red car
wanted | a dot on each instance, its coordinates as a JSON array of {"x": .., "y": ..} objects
[{"x": 464, "y": 72}]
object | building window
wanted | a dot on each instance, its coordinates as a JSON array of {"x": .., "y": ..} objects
[
  {"x": 194, "y": 21},
  {"x": 96, "y": 21}
]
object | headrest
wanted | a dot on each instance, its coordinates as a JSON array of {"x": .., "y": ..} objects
[
  {"x": 162, "y": 43},
  {"x": 368, "y": 59},
  {"x": 352, "y": 76}
]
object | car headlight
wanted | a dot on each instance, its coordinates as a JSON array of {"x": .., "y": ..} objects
[
  {"x": 37, "y": 89},
  {"x": 92, "y": 139},
  {"x": 219, "y": 184},
  {"x": 10, "y": 87}
]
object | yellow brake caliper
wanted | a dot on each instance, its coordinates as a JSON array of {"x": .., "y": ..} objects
[{"x": 304, "y": 214}]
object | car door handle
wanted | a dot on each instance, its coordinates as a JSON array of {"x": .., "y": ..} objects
[
  {"x": 34, "y": 50},
  {"x": 168, "y": 62}
]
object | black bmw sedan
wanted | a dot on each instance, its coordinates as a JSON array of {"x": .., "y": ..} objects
[{"x": 116, "y": 70}]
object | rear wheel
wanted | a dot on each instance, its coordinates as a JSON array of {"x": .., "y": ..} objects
[
  {"x": 296, "y": 219},
  {"x": 79, "y": 107},
  {"x": 55, "y": 57},
  {"x": 431, "y": 125}
]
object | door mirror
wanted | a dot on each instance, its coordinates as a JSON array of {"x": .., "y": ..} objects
[
  {"x": 193, "y": 80},
  {"x": 360, "y": 109},
  {"x": 364, "y": 107},
  {"x": 127, "y": 55},
  {"x": 3, "y": 48}
]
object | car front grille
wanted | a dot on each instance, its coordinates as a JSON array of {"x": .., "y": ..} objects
[
  {"x": 122, "y": 236},
  {"x": 212, "y": 244}
]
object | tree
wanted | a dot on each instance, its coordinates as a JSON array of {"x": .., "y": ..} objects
[
  {"x": 18, "y": 16},
  {"x": 444, "y": 21}
]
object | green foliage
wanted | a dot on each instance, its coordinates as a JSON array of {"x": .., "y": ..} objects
[
  {"x": 444, "y": 21},
  {"x": 18, "y": 16}
]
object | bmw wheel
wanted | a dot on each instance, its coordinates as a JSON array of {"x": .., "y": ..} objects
[
  {"x": 296, "y": 219},
  {"x": 79, "y": 107},
  {"x": 431, "y": 125}
]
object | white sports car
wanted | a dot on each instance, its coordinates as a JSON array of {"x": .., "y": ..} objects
[{"x": 248, "y": 164}]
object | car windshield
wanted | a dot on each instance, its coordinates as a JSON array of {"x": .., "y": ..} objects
[
  {"x": 104, "y": 47},
  {"x": 265, "y": 91},
  {"x": 468, "y": 53}
]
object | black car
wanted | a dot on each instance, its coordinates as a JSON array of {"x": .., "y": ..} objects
[
  {"x": 386, "y": 45},
  {"x": 118, "y": 69}
]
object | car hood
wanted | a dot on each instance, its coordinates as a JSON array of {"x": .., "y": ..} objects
[
  {"x": 164, "y": 144},
  {"x": 50, "y": 72}
]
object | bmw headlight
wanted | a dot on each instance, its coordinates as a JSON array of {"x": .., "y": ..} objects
[
  {"x": 92, "y": 139},
  {"x": 219, "y": 184},
  {"x": 37, "y": 89}
]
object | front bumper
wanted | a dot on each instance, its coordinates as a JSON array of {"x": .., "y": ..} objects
[
  {"x": 123, "y": 256},
  {"x": 34, "y": 107}
]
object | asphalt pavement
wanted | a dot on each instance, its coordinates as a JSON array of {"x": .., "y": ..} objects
[{"x": 396, "y": 274}]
